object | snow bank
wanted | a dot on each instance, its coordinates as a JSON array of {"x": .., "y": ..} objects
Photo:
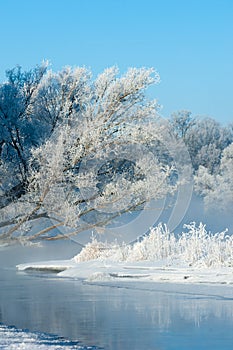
[
  {"x": 56, "y": 266},
  {"x": 195, "y": 247},
  {"x": 194, "y": 256}
]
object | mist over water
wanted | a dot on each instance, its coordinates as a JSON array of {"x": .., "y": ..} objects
[
  {"x": 172, "y": 317},
  {"x": 129, "y": 227},
  {"x": 215, "y": 221}
]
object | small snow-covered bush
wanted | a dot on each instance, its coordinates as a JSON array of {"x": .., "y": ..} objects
[
  {"x": 200, "y": 247},
  {"x": 195, "y": 247},
  {"x": 102, "y": 251},
  {"x": 159, "y": 244}
]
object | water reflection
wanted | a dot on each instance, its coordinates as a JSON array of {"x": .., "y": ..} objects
[{"x": 115, "y": 318}]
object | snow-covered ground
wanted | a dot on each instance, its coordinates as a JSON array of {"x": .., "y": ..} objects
[{"x": 193, "y": 257}]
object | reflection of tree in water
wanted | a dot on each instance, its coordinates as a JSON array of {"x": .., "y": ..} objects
[
  {"x": 163, "y": 310},
  {"x": 199, "y": 311}
]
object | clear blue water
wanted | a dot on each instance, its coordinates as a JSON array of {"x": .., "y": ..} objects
[{"x": 104, "y": 317}]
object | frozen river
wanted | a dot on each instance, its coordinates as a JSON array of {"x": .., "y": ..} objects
[{"x": 101, "y": 316}]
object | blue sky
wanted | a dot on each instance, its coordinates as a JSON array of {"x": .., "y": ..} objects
[{"x": 190, "y": 43}]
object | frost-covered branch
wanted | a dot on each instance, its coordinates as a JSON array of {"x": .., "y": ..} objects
[{"x": 97, "y": 161}]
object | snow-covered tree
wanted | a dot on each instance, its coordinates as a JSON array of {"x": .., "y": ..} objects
[
  {"x": 217, "y": 189},
  {"x": 18, "y": 128},
  {"x": 205, "y": 139},
  {"x": 60, "y": 94},
  {"x": 98, "y": 161},
  {"x": 181, "y": 122},
  {"x": 206, "y": 142}
]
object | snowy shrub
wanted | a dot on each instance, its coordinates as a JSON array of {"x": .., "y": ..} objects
[
  {"x": 159, "y": 244},
  {"x": 196, "y": 247},
  {"x": 102, "y": 251},
  {"x": 199, "y": 247}
]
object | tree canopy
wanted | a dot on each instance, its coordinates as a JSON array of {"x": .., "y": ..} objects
[
  {"x": 79, "y": 151},
  {"x": 92, "y": 155}
]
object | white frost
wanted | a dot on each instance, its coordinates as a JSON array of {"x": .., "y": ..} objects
[{"x": 195, "y": 256}]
